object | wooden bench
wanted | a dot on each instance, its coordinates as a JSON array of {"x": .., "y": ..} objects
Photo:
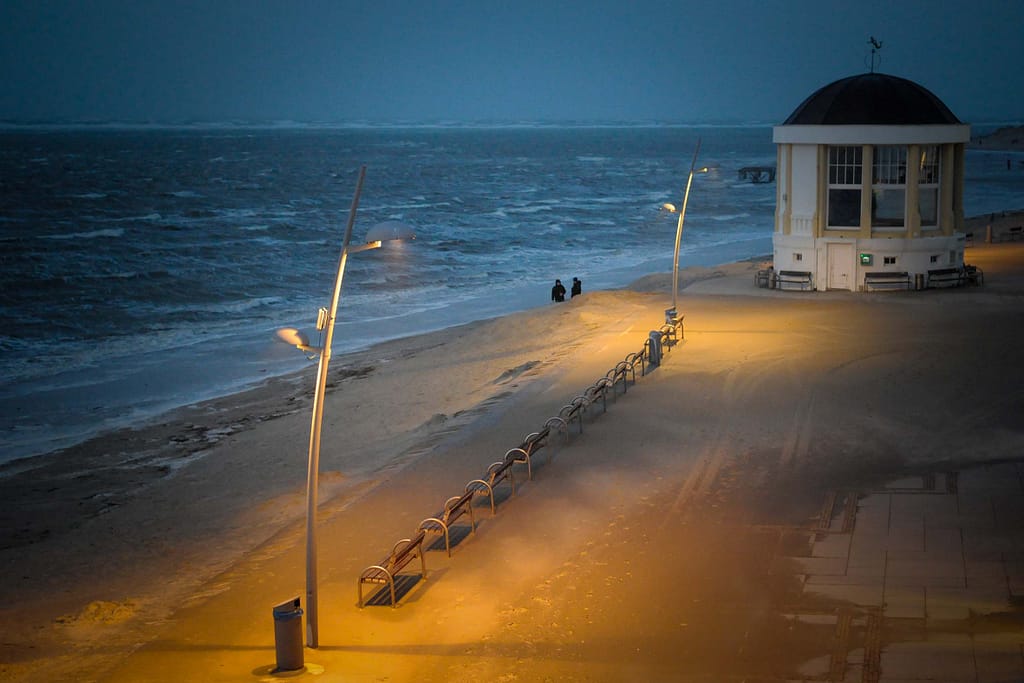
[
  {"x": 678, "y": 323},
  {"x": 454, "y": 507},
  {"x": 793, "y": 277},
  {"x": 497, "y": 472},
  {"x": 620, "y": 372},
  {"x": 528, "y": 448},
  {"x": 668, "y": 337},
  {"x": 1014, "y": 233},
  {"x": 973, "y": 275},
  {"x": 574, "y": 411},
  {"x": 558, "y": 424},
  {"x": 535, "y": 441},
  {"x": 886, "y": 280},
  {"x": 940, "y": 276},
  {"x": 763, "y": 278},
  {"x": 599, "y": 389},
  {"x": 404, "y": 552},
  {"x": 638, "y": 357}
]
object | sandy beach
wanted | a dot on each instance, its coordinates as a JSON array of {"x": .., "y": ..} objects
[{"x": 798, "y": 492}]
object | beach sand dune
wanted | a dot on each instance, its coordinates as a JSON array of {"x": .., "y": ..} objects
[{"x": 743, "y": 512}]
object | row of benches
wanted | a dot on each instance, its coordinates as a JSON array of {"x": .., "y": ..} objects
[
  {"x": 878, "y": 279},
  {"x": 937, "y": 277},
  {"x": 455, "y": 508},
  {"x": 409, "y": 549}
]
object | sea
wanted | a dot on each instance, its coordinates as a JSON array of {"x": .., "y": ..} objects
[{"x": 145, "y": 268}]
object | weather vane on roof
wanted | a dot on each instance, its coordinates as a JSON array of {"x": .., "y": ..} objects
[{"x": 876, "y": 59}]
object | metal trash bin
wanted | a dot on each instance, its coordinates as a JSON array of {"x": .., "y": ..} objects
[
  {"x": 671, "y": 316},
  {"x": 288, "y": 635},
  {"x": 654, "y": 352},
  {"x": 919, "y": 281}
]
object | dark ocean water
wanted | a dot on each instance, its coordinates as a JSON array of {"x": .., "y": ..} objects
[{"x": 143, "y": 269}]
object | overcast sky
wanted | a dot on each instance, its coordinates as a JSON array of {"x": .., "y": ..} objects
[{"x": 484, "y": 60}]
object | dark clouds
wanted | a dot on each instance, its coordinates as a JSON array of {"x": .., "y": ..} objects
[{"x": 724, "y": 60}]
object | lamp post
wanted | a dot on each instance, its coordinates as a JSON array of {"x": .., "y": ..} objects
[
  {"x": 388, "y": 230},
  {"x": 679, "y": 229}
]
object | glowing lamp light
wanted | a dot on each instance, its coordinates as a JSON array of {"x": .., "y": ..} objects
[
  {"x": 292, "y": 337},
  {"x": 388, "y": 231}
]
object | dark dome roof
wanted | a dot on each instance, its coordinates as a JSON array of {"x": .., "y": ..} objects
[{"x": 872, "y": 99}]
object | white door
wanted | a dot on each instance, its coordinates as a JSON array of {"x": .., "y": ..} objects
[{"x": 840, "y": 266}]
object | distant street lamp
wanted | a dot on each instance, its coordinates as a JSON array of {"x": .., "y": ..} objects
[
  {"x": 386, "y": 231},
  {"x": 671, "y": 313}
]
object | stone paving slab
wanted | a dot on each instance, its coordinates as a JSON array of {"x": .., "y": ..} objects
[
  {"x": 981, "y": 545},
  {"x": 998, "y": 659},
  {"x": 873, "y": 514},
  {"x": 853, "y": 593},
  {"x": 947, "y": 603},
  {"x": 981, "y": 572},
  {"x": 945, "y": 540},
  {"x": 833, "y": 545},
  {"x": 906, "y": 537},
  {"x": 929, "y": 568},
  {"x": 948, "y": 655},
  {"x": 904, "y": 602}
]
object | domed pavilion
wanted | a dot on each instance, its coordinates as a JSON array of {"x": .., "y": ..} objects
[{"x": 870, "y": 180}]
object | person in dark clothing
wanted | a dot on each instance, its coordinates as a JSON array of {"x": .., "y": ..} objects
[
  {"x": 577, "y": 286},
  {"x": 558, "y": 291}
]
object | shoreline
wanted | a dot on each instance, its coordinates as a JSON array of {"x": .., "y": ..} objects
[
  {"x": 196, "y": 437},
  {"x": 999, "y": 221},
  {"x": 168, "y": 513},
  {"x": 171, "y": 380}
]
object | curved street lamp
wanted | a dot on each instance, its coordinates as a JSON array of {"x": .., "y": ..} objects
[
  {"x": 671, "y": 313},
  {"x": 377, "y": 235}
]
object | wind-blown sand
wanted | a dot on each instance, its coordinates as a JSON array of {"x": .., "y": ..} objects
[{"x": 681, "y": 536}]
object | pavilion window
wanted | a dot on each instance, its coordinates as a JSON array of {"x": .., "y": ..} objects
[
  {"x": 928, "y": 186},
  {"x": 889, "y": 187},
  {"x": 845, "y": 169}
]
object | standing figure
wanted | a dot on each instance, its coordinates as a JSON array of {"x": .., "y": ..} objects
[
  {"x": 558, "y": 291},
  {"x": 577, "y": 286}
]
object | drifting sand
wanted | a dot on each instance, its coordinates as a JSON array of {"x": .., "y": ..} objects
[{"x": 679, "y": 537}]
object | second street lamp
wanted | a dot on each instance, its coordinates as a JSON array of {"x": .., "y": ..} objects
[{"x": 672, "y": 312}]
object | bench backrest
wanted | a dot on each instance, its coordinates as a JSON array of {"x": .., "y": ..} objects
[
  {"x": 535, "y": 440},
  {"x": 403, "y": 552},
  {"x": 498, "y": 470},
  {"x": 455, "y": 506},
  {"x": 569, "y": 411}
]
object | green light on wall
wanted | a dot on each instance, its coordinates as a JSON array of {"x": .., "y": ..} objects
[{"x": 866, "y": 259}]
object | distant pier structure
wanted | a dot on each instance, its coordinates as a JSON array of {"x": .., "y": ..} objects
[{"x": 758, "y": 174}]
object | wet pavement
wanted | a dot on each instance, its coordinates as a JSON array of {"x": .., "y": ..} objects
[{"x": 930, "y": 570}]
